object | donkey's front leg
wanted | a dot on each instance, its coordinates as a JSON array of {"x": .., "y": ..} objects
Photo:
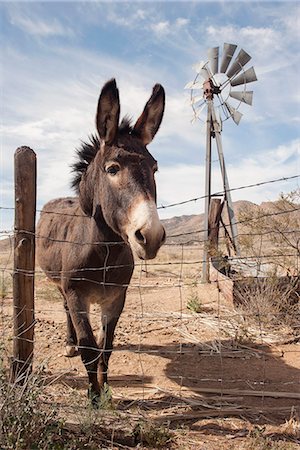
[
  {"x": 71, "y": 349},
  {"x": 88, "y": 348},
  {"x": 109, "y": 319}
]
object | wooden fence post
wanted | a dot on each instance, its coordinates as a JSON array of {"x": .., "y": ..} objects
[
  {"x": 24, "y": 263},
  {"x": 215, "y": 212}
]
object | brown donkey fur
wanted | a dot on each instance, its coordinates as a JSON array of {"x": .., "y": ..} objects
[{"x": 85, "y": 243}]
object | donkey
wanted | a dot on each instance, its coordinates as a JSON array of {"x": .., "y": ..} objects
[{"x": 85, "y": 244}]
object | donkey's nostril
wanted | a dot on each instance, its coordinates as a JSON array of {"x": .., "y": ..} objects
[
  {"x": 140, "y": 237},
  {"x": 163, "y": 236}
]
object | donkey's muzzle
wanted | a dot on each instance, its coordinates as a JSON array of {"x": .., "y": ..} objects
[
  {"x": 148, "y": 243},
  {"x": 145, "y": 231}
]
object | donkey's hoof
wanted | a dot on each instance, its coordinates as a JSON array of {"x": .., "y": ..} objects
[
  {"x": 94, "y": 398},
  {"x": 102, "y": 399},
  {"x": 71, "y": 351},
  {"x": 95, "y": 401}
]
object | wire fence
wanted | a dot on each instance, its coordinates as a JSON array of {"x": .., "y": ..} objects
[{"x": 182, "y": 348}]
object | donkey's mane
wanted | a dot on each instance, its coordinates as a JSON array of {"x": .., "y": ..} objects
[{"x": 88, "y": 150}]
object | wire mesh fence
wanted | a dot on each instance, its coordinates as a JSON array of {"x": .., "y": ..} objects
[{"x": 182, "y": 350}]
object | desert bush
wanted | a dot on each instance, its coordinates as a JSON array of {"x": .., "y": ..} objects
[
  {"x": 25, "y": 422},
  {"x": 273, "y": 228},
  {"x": 270, "y": 301},
  {"x": 258, "y": 440},
  {"x": 152, "y": 435},
  {"x": 5, "y": 286},
  {"x": 194, "y": 302}
]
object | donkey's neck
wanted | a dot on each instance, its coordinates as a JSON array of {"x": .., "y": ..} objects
[{"x": 102, "y": 230}]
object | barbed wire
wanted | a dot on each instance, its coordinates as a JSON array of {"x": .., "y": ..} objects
[
  {"x": 171, "y": 205},
  {"x": 11, "y": 233},
  {"x": 221, "y": 193},
  {"x": 225, "y": 312},
  {"x": 170, "y": 236},
  {"x": 239, "y": 222},
  {"x": 175, "y": 320},
  {"x": 62, "y": 274}
]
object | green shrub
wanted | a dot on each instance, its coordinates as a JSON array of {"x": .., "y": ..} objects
[{"x": 25, "y": 422}]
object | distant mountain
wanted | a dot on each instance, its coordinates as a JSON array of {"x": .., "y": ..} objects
[
  {"x": 6, "y": 244},
  {"x": 190, "y": 228},
  {"x": 183, "y": 228}
]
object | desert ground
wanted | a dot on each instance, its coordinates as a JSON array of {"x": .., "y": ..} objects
[{"x": 185, "y": 360}]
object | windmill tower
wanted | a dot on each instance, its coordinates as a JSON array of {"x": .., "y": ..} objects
[{"x": 210, "y": 92}]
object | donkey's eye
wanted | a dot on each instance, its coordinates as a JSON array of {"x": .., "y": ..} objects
[{"x": 112, "y": 170}]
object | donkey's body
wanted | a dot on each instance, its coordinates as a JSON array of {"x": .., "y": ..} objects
[{"x": 85, "y": 243}]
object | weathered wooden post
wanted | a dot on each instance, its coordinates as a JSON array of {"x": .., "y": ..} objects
[
  {"x": 24, "y": 263},
  {"x": 215, "y": 212}
]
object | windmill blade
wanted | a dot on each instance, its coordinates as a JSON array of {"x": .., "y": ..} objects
[
  {"x": 247, "y": 77},
  {"x": 236, "y": 115},
  {"x": 239, "y": 62},
  {"x": 202, "y": 69},
  {"x": 197, "y": 112},
  {"x": 189, "y": 85},
  {"x": 193, "y": 85},
  {"x": 202, "y": 126},
  {"x": 196, "y": 99},
  {"x": 243, "y": 96},
  {"x": 205, "y": 73},
  {"x": 213, "y": 57},
  {"x": 199, "y": 66},
  {"x": 228, "y": 52}
]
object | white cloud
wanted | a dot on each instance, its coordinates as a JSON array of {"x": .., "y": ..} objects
[
  {"x": 161, "y": 27},
  {"x": 120, "y": 14},
  {"x": 58, "y": 110},
  {"x": 263, "y": 35},
  {"x": 40, "y": 27},
  {"x": 179, "y": 183},
  {"x": 183, "y": 181},
  {"x": 164, "y": 27},
  {"x": 264, "y": 42},
  {"x": 269, "y": 46},
  {"x": 181, "y": 22},
  {"x": 59, "y": 95},
  {"x": 287, "y": 17},
  {"x": 292, "y": 24},
  {"x": 126, "y": 15}
]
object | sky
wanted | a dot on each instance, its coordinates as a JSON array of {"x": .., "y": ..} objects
[{"x": 56, "y": 56}]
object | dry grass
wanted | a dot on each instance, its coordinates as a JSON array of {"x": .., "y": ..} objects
[
  {"x": 47, "y": 290},
  {"x": 132, "y": 427},
  {"x": 25, "y": 422},
  {"x": 270, "y": 302},
  {"x": 29, "y": 422}
]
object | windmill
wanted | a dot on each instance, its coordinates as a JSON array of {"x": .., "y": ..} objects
[{"x": 213, "y": 92}]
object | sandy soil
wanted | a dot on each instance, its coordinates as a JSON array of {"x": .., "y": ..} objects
[{"x": 165, "y": 357}]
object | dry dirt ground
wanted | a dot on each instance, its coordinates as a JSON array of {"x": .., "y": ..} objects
[{"x": 208, "y": 376}]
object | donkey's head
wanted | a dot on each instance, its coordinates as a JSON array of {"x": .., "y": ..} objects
[{"x": 119, "y": 184}]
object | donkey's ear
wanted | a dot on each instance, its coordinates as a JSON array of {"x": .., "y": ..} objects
[
  {"x": 148, "y": 123},
  {"x": 108, "y": 112}
]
